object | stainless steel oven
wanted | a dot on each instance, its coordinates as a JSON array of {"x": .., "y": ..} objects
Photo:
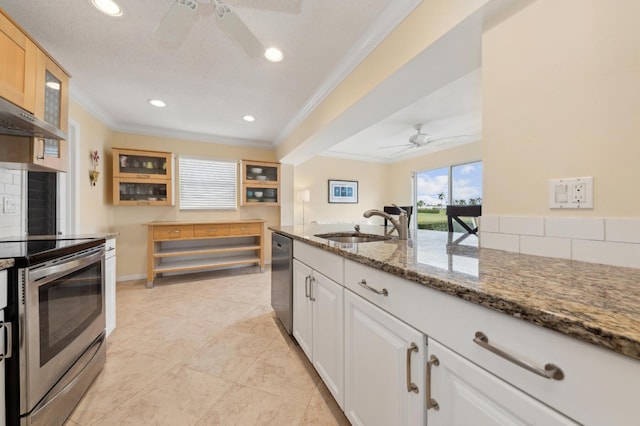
[{"x": 60, "y": 319}]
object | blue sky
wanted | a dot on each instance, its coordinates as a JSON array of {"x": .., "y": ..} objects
[{"x": 467, "y": 183}]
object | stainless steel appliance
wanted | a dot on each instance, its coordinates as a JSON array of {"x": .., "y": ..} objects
[
  {"x": 282, "y": 279},
  {"x": 56, "y": 307},
  {"x": 19, "y": 122}
]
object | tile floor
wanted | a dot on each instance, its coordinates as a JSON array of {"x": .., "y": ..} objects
[{"x": 204, "y": 349}]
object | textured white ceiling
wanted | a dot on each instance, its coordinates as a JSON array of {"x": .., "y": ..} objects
[{"x": 207, "y": 81}]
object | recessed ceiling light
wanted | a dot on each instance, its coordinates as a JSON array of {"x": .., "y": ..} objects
[
  {"x": 273, "y": 54},
  {"x": 157, "y": 103},
  {"x": 108, "y": 7},
  {"x": 249, "y": 118}
]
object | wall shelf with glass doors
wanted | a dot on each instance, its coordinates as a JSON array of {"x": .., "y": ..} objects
[
  {"x": 260, "y": 183},
  {"x": 143, "y": 178}
]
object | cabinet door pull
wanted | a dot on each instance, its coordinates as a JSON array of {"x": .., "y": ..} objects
[
  {"x": 431, "y": 403},
  {"x": 41, "y": 157},
  {"x": 411, "y": 387},
  {"x": 312, "y": 280},
  {"x": 551, "y": 371},
  {"x": 306, "y": 286},
  {"x": 364, "y": 284}
]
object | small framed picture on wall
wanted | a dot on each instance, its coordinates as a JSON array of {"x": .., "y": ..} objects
[{"x": 343, "y": 191}]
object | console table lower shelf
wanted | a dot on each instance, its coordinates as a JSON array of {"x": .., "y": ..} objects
[{"x": 182, "y": 247}]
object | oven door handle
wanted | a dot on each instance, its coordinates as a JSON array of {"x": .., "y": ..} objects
[{"x": 56, "y": 271}]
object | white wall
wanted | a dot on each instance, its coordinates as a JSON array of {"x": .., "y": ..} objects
[
  {"x": 373, "y": 188},
  {"x": 561, "y": 98}
]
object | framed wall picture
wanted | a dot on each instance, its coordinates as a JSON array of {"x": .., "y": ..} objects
[{"x": 343, "y": 191}]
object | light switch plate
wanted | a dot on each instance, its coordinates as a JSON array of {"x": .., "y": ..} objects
[
  {"x": 9, "y": 205},
  {"x": 571, "y": 193}
]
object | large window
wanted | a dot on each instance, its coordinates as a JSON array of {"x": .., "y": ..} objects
[
  {"x": 459, "y": 184},
  {"x": 207, "y": 184}
]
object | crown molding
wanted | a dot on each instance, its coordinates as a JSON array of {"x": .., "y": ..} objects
[
  {"x": 192, "y": 136},
  {"x": 79, "y": 97},
  {"x": 92, "y": 108},
  {"x": 381, "y": 27}
]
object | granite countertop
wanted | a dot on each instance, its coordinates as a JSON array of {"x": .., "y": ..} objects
[
  {"x": 5, "y": 264},
  {"x": 598, "y": 304},
  {"x": 98, "y": 235}
]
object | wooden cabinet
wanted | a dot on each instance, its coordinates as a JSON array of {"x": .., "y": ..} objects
[
  {"x": 384, "y": 367},
  {"x": 32, "y": 80},
  {"x": 466, "y": 394},
  {"x": 318, "y": 325},
  {"x": 143, "y": 178},
  {"x": 110, "y": 284},
  {"x": 196, "y": 246},
  {"x": 18, "y": 71},
  {"x": 260, "y": 183}
]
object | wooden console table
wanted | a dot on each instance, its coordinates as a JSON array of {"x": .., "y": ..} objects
[{"x": 194, "y": 246}]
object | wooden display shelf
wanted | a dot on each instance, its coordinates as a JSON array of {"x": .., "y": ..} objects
[
  {"x": 193, "y": 246},
  {"x": 197, "y": 264},
  {"x": 205, "y": 250}
]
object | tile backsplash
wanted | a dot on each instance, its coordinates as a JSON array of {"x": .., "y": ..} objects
[
  {"x": 10, "y": 190},
  {"x": 611, "y": 241}
]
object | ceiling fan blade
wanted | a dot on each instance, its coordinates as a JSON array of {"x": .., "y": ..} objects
[
  {"x": 238, "y": 30},
  {"x": 177, "y": 22},
  {"x": 396, "y": 146},
  {"x": 449, "y": 137},
  {"x": 403, "y": 150}
]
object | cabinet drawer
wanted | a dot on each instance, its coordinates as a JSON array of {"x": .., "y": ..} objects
[
  {"x": 172, "y": 232},
  {"x": 245, "y": 228},
  {"x": 595, "y": 390},
  {"x": 213, "y": 230},
  {"x": 329, "y": 264}
]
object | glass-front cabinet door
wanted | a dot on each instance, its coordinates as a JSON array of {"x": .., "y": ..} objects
[
  {"x": 142, "y": 164},
  {"x": 52, "y": 106},
  {"x": 263, "y": 196},
  {"x": 145, "y": 192}
]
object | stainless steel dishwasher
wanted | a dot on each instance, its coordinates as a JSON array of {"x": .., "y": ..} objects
[{"x": 282, "y": 279}]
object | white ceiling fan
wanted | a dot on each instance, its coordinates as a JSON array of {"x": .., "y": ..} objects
[
  {"x": 179, "y": 18},
  {"x": 419, "y": 139}
]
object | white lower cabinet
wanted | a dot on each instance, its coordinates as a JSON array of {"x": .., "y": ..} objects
[
  {"x": 384, "y": 367},
  {"x": 318, "y": 325},
  {"x": 110, "y": 284},
  {"x": 462, "y": 394}
]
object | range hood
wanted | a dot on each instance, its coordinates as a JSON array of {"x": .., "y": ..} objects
[{"x": 15, "y": 121}]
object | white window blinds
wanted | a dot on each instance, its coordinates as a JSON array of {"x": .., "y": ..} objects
[{"x": 207, "y": 184}]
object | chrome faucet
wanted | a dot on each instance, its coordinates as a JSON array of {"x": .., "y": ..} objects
[{"x": 400, "y": 225}]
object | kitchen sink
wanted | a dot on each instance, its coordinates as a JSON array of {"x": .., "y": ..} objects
[{"x": 352, "y": 237}]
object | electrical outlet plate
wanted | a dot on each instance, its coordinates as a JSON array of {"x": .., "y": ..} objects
[{"x": 571, "y": 193}]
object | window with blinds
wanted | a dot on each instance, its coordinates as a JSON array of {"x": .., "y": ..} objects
[{"x": 207, "y": 184}]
